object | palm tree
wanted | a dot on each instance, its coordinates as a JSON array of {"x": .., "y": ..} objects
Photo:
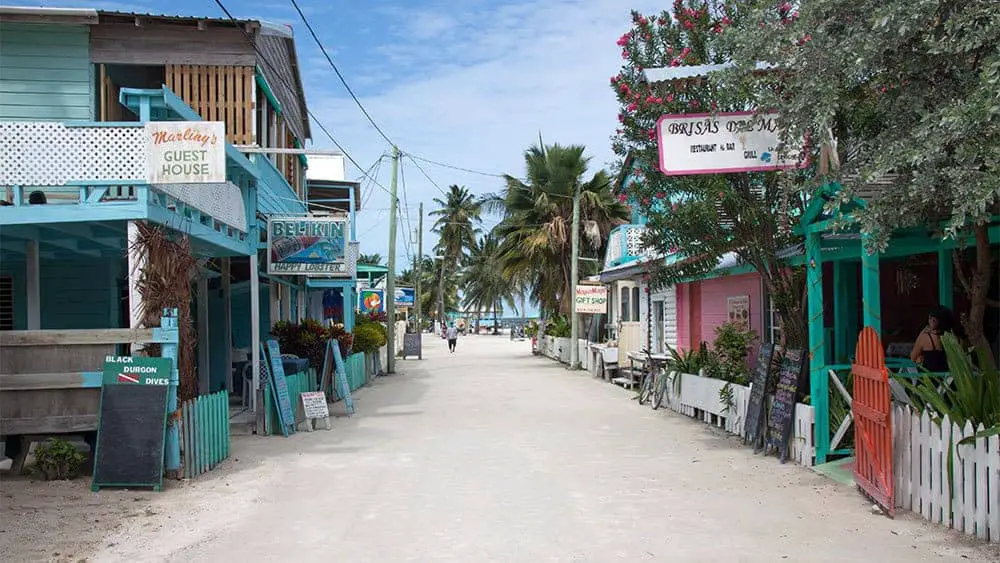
[
  {"x": 456, "y": 227},
  {"x": 370, "y": 259},
  {"x": 484, "y": 284},
  {"x": 429, "y": 282},
  {"x": 537, "y": 215}
]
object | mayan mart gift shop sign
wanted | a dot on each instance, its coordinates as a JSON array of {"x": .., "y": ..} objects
[
  {"x": 704, "y": 143},
  {"x": 306, "y": 246},
  {"x": 591, "y": 299},
  {"x": 186, "y": 152}
]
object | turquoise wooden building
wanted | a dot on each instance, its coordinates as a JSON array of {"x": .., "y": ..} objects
[{"x": 76, "y": 90}]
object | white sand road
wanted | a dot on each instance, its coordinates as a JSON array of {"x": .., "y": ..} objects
[{"x": 489, "y": 454}]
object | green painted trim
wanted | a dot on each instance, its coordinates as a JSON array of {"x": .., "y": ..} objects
[
  {"x": 817, "y": 202},
  {"x": 268, "y": 93},
  {"x": 302, "y": 157},
  {"x": 946, "y": 279},
  {"x": 818, "y": 384},
  {"x": 871, "y": 296}
]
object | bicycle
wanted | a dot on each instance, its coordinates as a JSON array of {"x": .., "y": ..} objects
[{"x": 654, "y": 381}]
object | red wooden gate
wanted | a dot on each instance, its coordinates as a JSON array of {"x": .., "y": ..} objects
[{"x": 872, "y": 410}]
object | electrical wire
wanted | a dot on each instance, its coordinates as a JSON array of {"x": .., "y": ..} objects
[
  {"x": 333, "y": 65},
  {"x": 293, "y": 88}
]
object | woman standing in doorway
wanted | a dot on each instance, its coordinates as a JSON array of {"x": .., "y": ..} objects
[{"x": 928, "y": 350}]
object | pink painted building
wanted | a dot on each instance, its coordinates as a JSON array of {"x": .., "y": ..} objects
[{"x": 704, "y": 305}]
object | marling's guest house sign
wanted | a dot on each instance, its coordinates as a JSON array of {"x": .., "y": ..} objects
[
  {"x": 186, "y": 152},
  {"x": 702, "y": 143},
  {"x": 306, "y": 246}
]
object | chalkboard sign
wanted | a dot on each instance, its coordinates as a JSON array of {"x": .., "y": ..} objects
[
  {"x": 779, "y": 425},
  {"x": 132, "y": 423},
  {"x": 411, "y": 345},
  {"x": 757, "y": 404},
  {"x": 341, "y": 376},
  {"x": 280, "y": 389}
]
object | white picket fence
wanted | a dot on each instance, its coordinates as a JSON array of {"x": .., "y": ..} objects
[
  {"x": 967, "y": 500},
  {"x": 701, "y": 398}
]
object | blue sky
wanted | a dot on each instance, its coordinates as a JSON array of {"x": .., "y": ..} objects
[{"x": 468, "y": 82}]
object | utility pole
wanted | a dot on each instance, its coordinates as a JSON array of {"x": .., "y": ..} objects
[
  {"x": 390, "y": 281},
  {"x": 416, "y": 290},
  {"x": 574, "y": 323}
]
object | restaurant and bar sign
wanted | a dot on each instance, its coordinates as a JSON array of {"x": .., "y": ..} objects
[
  {"x": 591, "y": 299},
  {"x": 703, "y": 143},
  {"x": 306, "y": 246},
  {"x": 186, "y": 152}
]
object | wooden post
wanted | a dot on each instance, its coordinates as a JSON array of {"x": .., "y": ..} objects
[
  {"x": 255, "y": 339},
  {"x": 227, "y": 306},
  {"x": 204, "y": 361},
  {"x": 172, "y": 447},
  {"x": 871, "y": 293},
  {"x": 818, "y": 384},
  {"x": 33, "y": 298},
  {"x": 946, "y": 279}
]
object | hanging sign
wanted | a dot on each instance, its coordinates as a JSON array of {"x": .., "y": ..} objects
[
  {"x": 371, "y": 301},
  {"x": 307, "y": 246},
  {"x": 591, "y": 299},
  {"x": 186, "y": 152},
  {"x": 404, "y": 297},
  {"x": 702, "y": 143}
]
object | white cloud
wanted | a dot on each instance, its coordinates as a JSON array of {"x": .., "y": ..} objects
[{"x": 482, "y": 83}]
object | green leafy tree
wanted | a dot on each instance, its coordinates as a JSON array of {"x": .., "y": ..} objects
[
  {"x": 484, "y": 285},
  {"x": 458, "y": 217},
  {"x": 534, "y": 235},
  {"x": 908, "y": 93},
  {"x": 370, "y": 259},
  {"x": 702, "y": 217}
]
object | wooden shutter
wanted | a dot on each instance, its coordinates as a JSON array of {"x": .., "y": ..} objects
[{"x": 218, "y": 93}]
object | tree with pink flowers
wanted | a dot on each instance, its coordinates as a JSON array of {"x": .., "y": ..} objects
[{"x": 702, "y": 217}]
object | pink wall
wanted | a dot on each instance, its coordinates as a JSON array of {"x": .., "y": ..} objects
[{"x": 714, "y": 298}]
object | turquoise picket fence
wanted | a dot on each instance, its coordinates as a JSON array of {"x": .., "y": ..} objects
[
  {"x": 298, "y": 383},
  {"x": 204, "y": 432}
]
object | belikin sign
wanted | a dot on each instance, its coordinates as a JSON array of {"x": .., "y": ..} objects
[
  {"x": 702, "y": 143},
  {"x": 307, "y": 246},
  {"x": 186, "y": 152},
  {"x": 591, "y": 299}
]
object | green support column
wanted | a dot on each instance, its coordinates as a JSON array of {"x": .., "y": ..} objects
[
  {"x": 840, "y": 312},
  {"x": 818, "y": 384},
  {"x": 871, "y": 292},
  {"x": 946, "y": 279}
]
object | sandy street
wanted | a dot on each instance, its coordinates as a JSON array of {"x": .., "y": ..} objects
[{"x": 489, "y": 454}]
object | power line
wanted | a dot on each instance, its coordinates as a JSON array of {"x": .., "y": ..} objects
[
  {"x": 339, "y": 75},
  {"x": 292, "y": 88},
  {"x": 459, "y": 168},
  {"x": 424, "y": 172}
]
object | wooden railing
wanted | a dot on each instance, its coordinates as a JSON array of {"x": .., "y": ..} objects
[{"x": 218, "y": 93}]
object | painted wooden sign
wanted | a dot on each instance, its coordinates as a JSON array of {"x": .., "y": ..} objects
[
  {"x": 132, "y": 423},
  {"x": 314, "y": 404},
  {"x": 307, "y": 246},
  {"x": 782, "y": 419},
  {"x": 186, "y": 152},
  {"x": 757, "y": 404},
  {"x": 341, "y": 376},
  {"x": 279, "y": 387}
]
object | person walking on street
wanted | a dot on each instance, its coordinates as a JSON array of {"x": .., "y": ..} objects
[{"x": 452, "y": 338}]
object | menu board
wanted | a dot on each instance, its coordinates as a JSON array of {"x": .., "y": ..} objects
[
  {"x": 779, "y": 424},
  {"x": 757, "y": 405}
]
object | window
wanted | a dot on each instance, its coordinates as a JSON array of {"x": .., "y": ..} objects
[
  {"x": 635, "y": 304},
  {"x": 626, "y": 309},
  {"x": 6, "y": 302}
]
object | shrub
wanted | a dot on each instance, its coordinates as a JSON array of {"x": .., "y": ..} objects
[
  {"x": 558, "y": 327},
  {"x": 308, "y": 339},
  {"x": 369, "y": 337},
  {"x": 731, "y": 346},
  {"x": 58, "y": 459}
]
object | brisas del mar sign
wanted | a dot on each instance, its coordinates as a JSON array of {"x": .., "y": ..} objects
[
  {"x": 703, "y": 143},
  {"x": 186, "y": 152},
  {"x": 307, "y": 246}
]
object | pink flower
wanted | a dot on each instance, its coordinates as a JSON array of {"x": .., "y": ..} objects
[
  {"x": 632, "y": 107},
  {"x": 623, "y": 88},
  {"x": 651, "y": 134},
  {"x": 622, "y": 198},
  {"x": 661, "y": 195},
  {"x": 645, "y": 201},
  {"x": 785, "y": 7},
  {"x": 726, "y": 20},
  {"x": 670, "y": 50},
  {"x": 670, "y": 98},
  {"x": 717, "y": 28},
  {"x": 650, "y": 99},
  {"x": 621, "y": 118},
  {"x": 673, "y": 207},
  {"x": 694, "y": 104},
  {"x": 658, "y": 100},
  {"x": 623, "y": 40},
  {"x": 688, "y": 24},
  {"x": 624, "y": 53}
]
